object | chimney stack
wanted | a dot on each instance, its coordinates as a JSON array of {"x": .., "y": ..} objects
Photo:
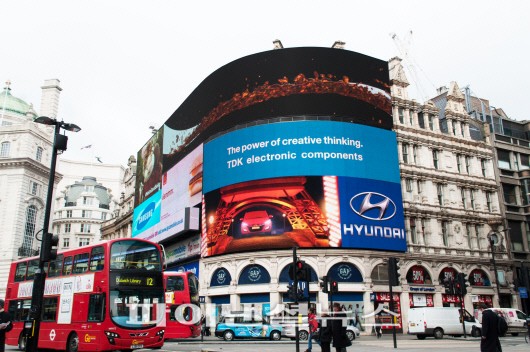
[{"x": 49, "y": 105}]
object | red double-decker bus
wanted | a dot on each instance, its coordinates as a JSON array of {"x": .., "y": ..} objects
[
  {"x": 103, "y": 297},
  {"x": 183, "y": 319}
]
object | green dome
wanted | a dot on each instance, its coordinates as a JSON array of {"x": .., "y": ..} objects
[{"x": 9, "y": 103}]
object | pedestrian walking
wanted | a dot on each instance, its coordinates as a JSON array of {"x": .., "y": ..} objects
[
  {"x": 5, "y": 325},
  {"x": 490, "y": 335},
  {"x": 340, "y": 339},
  {"x": 378, "y": 327},
  {"x": 313, "y": 327},
  {"x": 325, "y": 334},
  {"x": 358, "y": 317}
]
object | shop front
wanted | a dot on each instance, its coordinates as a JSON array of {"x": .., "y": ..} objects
[
  {"x": 257, "y": 303},
  {"x": 420, "y": 287},
  {"x": 351, "y": 302},
  {"x": 388, "y": 315}
]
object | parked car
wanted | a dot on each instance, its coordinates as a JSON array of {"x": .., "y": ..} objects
[
  {"x": 239, "y": 326},
  {"x": 515, "y": 318},
  {"x": 440, "y": 321},
  {"x": 256, "y": 222},
  {"x": 303, "y": 331}
]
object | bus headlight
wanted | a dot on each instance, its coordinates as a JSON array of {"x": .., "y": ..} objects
[
  {"x": 160, "y": 334},
  {"x": 111, "y": 336}
]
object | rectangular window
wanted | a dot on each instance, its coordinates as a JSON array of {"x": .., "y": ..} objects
[
  {"x": 440, "y": 193},
  {"x": 405, "y": 152},
  {"x": 56, "y": 266},
  {"x": 411, "y": 118},
  {"x": 68, "y": 213},
  {"x": 86, "y": 213},
  {"x": 423, "y": 232},
  {"x": 88, "y": 200},
  {"x": 435, "y": 153},
  {"x": 525, "y": 162},
  {"x": 408, "y": 184},
  {"x": 469, "y": 236},
  {"x": 67, "y": 268},
  {"x": 66, "y": 242},
  {"x": 401, "y": 117},
  {"x": 463, "y": 195},
  {"x": 458, "y": 163},
  {"x": 67, "y": 228},
  {"x": 34, "y": 188},
  {"x": 413, "y": 234},
  {"x": 454, "y": 127},
  {"x": 96, "y": 308},
  {"x": 19, "y": 310},
  {"x": 516, "y": 235},
  {"x": 421, "y": 122},
  {"x": 4, "y": 149},
  {"x": 103, "y": 216},
  {"x": 419, "y": 184},
  {"x": 445, "y": 233},
  {"x": 49, "y": 309},
  {"x": 478, "y": 230},
  {"x": 504, "y": 159},
  {"x": 488, "y": 201},
  {"x": 89, "y": 188},
  {"x": 468, "y": 165},
  {"x": 472, "y": 198},
  {"x": 483, "y": 166},
  {"x": 84, "y": 241},
  {"x": 20, "y": 273},
  {"x": 415, "y": 153},
  {"x": 33, "y": 265},
  {"x": 463, "y": 129},
  {"x": 38, "y": 155},
  {"x": 85, "y": 228},
  {"x": 431, "y": 123},
  {"x": 80, "y": 263},
  {"x": 97, "y": 259}
]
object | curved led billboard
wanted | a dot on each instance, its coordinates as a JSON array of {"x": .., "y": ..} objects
[{"x": 289, "y": 147}]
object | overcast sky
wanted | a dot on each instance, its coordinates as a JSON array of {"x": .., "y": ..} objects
[{"x": 126, "y": 65}]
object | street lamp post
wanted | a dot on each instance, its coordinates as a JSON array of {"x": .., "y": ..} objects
[
  {"x": 32, "y": 325},
  {"x": 494, "y": 239}
]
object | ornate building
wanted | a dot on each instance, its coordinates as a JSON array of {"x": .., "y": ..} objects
[{"x": 25, "y": 157}]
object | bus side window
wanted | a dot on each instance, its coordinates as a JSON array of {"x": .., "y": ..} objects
[
  {"x": 67, "y": 268},
  {"x": 96, "y": 307},
  {"x": 80, "y": 263},
  {"x": 33, "y": 265},
  {"x": 97, "y": 259},
  {"x": 49, "y": 309},
  {"x": 20, "y": 274},
  {"x": 56, "y": 266}
]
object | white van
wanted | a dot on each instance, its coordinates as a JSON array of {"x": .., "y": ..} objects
[
  {"x": 515, "y": 318},
  {"x": 438, "y": 322}
]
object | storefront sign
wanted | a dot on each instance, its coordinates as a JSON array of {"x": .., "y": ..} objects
[
  {"x": 422, "y": 289},
  {"x": 184, "y": 249},
  {"x": 254, "y": 274},
  {"x": 220, "y": 277}
]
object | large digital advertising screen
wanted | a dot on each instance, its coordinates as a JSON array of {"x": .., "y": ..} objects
[
  {"x": 171, "y": 209},
  {"x": 309, "y": 184}
]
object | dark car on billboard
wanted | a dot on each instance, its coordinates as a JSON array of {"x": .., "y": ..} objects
[{"x": 256, "y": 222}]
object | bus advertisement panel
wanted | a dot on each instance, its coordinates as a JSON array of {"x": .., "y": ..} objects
[{"x": 103, "y": 297}]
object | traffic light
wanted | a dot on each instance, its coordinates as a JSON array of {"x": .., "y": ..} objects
[
  {"x": 393, "y": 271},
  {"x": 449, "y": 286},
  {"x": 461, "y": 284},
  {"x": 324, "y": 284},
  {"x": 302, "y": 271},
  {"x": 49, "y": 247},
  {"x": 333, "y": 286}
]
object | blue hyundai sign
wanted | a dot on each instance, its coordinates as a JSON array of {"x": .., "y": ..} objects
[
  {"x": 302, "y": 148},
  {"x": 371, "y": 214}
]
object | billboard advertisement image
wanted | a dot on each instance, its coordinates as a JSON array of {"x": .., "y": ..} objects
[{"x": 267, "y": 187}]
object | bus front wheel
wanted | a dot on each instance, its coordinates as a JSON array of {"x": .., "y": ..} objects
[
  {"x": 22, "y": 342},
  {"x": 73, "y": 343}
]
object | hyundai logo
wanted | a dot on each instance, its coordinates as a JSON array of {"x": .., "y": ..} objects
[{"x": 373, "y": 206}]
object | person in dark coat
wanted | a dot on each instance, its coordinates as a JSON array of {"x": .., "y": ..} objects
[
  {"x": 340, "y": 340},
  {"x": 325, "y": 334},
  {"x": 490, "y": 335},
  {"x": 5, "y": 325}
]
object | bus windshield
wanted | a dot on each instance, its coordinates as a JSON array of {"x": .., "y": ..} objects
[
  {"x": 136, "y": 308},
  {"x": 134, "y": 255}
]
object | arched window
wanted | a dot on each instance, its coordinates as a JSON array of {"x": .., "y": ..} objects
[
  {"x": 4, "y": 149},
  {"x": 38, "y": 156},
  {"x": 254, "y": 274},
  {"x": 220, "y": 277},
  {"x": 345, "y": 272},
  {"x": 284, "y": 274},
  {"x": 29, "y": 231},
  {"x": 418, "y": 275}
]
